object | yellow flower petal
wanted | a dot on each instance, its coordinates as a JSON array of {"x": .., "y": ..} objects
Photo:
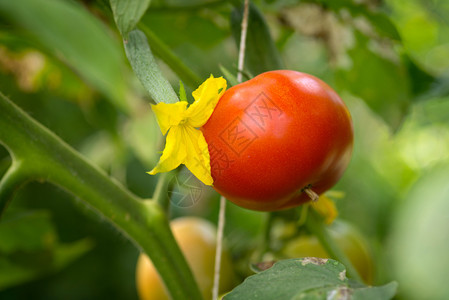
[
  {"x": 169, "y": 115},
  {"x": 325, "y": 207},
  {"x": 174, "y": 152},
  {"x": 198, "y": 159},
  {"x": 185, "y": 144},
  {"x": 206, "y": 98}
]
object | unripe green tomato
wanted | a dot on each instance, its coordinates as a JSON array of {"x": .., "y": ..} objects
[
  {"x": 347, "y": 238},
  {"x": 197, "y": 239}
]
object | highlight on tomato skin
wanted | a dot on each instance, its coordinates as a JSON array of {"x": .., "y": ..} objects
[{"x": 275, "y": 135}]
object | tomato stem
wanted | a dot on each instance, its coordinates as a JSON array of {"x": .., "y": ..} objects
[{"x": 312, "y": 195}]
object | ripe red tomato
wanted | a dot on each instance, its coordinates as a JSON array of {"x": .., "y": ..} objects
[{"x": 275, "y": 135}]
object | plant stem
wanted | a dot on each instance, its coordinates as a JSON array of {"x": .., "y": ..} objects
[
  {"x": 312, "y": 195},
  {"x": 316, "y": 226},
  {"x": 219, "y": 248},
  {"x": 11, "y": 181},
  {"x": 46, "y": 157},
  {"x": 266, "y": 238},
  {"x": 160, "y": 195},
  {"x": 244, "y": 30}
]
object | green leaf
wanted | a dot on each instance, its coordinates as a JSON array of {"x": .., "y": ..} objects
[
  {"x": 386, "y": 291},
  {"x": 127, "y": 13},
  {"x": 73, "y": 35},
  {"x": 424, "y": 30},
  {"x": 143, "y": 137},
  {"x": 144, "y": 65},
  {"x": 188, "y": 41},
  {"x": 419, "y": 238},
  {"x": 29, "y": 248},
  {"x": 182, "y": 92},
  {"x": 229, "y": 76},
  {"x": 307, "y": 278},
  {"x": 175, "y": 62},
  {"x": 422, "y": 82},
  {"x": 28, "y": 231},
  {"x": 382, "y": 83},
  {"x": 377, "y": 18},
  {"x": 186, "y": 27},
  {"x": 261, "y": 54},
  {"x": 34, "y": 265}
]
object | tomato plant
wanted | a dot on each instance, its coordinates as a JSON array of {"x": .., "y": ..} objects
[
  {"x": 196, "y": 238},
  {"x": 276, "y": 135},
  {"x": 272, "y": 139},
  {"x": 347, "y": 238}
]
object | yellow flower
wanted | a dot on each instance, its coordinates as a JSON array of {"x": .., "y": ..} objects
[
  {"x": 185, "y": 143},
  {"x": 325, "y": 207}
]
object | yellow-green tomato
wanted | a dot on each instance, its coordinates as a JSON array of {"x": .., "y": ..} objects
[
  {"x": 347, "y": 238},
  {"x": 197, "y": 239}
]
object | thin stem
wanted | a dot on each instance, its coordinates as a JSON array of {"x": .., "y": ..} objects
[
  {"x": 241, "y": 60},
  {"x": 221, "y": 216},
  {"x": 303, "y": 214},
  {"x": 160, "y": 195},
  {"x": 316, "y": 225},
  {"x": 266, "y": 242},
  {"x": 219, "y": 250},
  {"x": 312, "y": 195}
]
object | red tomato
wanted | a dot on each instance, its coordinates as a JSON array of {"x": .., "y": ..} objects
[{"x": 275, "y": 135}]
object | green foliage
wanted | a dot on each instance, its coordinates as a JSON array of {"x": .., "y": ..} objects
[
  {"x": 424, "y": 31},
  {"x": 128, "y": 13},
  {"x": 261, "y": 52},
  {"x": 419, "y": 238},
  {"x": 361, "y": 79},
  {"x": 76, "y": 37},
  {"x": 307, "y": 278},
  {"x": 377, "y": 18},
  {"x": 143, "y": 63},
  {"x": 174, "y": 62},
  {"x": 232, "y": 79},
  {"x": 39, "y": 154},
  {"x": 182, "y": 92},
  {"x": 63, "y": 63},
  {"x": 29, "y": 248},
  {"x": 194, "y": 35}
]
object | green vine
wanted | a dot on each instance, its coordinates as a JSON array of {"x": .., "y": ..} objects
[{"x": 38, "y": 154}]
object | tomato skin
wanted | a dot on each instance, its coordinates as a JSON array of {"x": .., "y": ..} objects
[{"x": 275, "y": 135}]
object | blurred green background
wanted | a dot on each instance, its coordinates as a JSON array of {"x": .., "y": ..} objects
[{"x": 63, "y": 62}]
